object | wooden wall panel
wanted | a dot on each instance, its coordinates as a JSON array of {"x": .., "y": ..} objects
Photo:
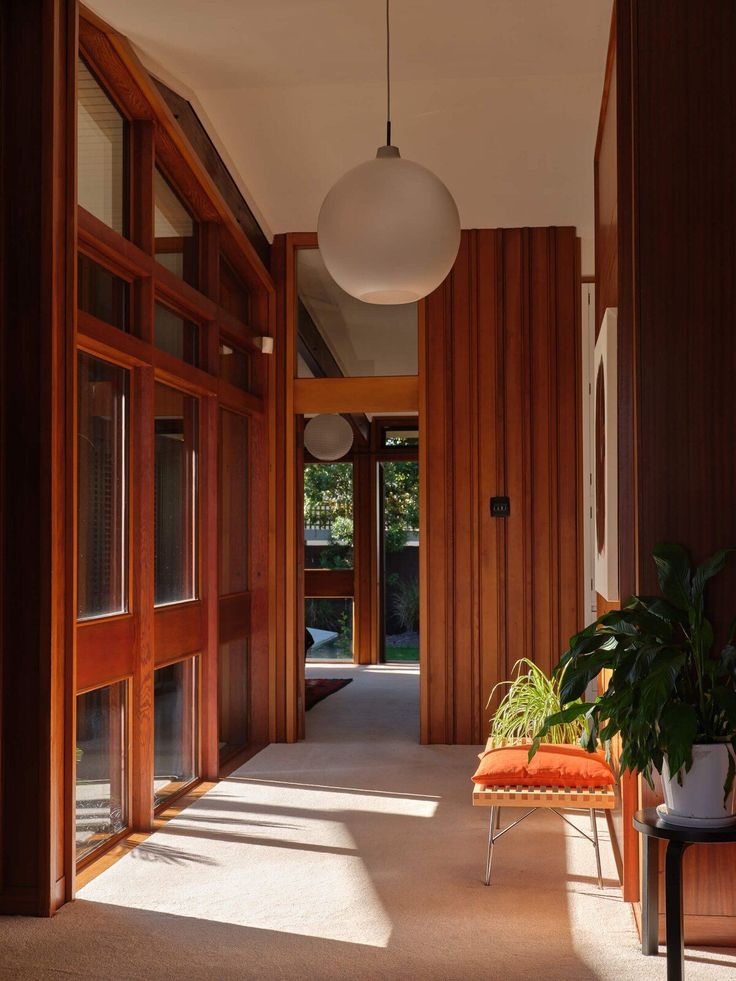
[
  {"x": 37, "y": 206},
  {"x": 606, "y": 175},
  {"x": 670, "y": 102},
  {"x": 605, "y": 171},
  {"x": 499, "y": 415}
]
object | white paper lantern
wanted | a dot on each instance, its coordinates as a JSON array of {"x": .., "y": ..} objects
[
  {"x": 328, "y": 437},
  {"x": 389, "y": 230}
]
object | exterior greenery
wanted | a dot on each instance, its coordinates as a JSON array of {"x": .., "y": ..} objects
[
  {"x": 328, "y": 502},
  {"x": 405, "y": 602},
  {"x": 669, "y": 688}
]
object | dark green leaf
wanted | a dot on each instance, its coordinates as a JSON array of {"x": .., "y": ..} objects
[
  {"x": 706, "y": 571},
  {"x": 659, "y": 607},
  {"x": 569, "y": 714},
  {"x": 729, "y": 776},
  {"x": 673, "y": 572},
  {"x": 678, "y": 726},
  {"x": 579, "y": 675},
  {"x": 657, "y": 687},
  {"x": 725, "y": 699},
  {"x": 728, "y": 659},
  {"x": 732, "y": 631},
  {"x": 706, "y": 636}
]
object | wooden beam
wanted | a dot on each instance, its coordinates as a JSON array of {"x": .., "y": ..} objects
[
  {"x": 198, "y": 136},
  {"x": 329, "y": 582},
  {"x": 146, "y": 101},
  {"x": 399, "y": 393},
  {"x": 313, "y": 348}
]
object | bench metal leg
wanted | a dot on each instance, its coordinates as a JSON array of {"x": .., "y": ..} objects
[
  {"x": 489, "y": 855},
  {"x": 596, "y": 845}
]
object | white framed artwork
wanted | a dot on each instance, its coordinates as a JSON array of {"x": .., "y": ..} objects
[{"x": 605, "y": 393}]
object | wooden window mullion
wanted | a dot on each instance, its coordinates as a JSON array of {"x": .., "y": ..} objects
[
  {"x": 142, "y": 724},
  {"x": 141, "y": 182},
  {"x": 142, "y": 159},
  {"x": 209, "y": 284},
  {"x": 209, "y": 475}
]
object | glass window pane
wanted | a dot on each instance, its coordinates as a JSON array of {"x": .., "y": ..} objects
[
  {"x": 175, "y": 728},
  {"x": 339, "y": 335},
  {"x": 328, "y": 516},
  {"x": 233, "y": 503},
  {"x": 401, "y": 437},
  {"x": 329, "y": 629},
  {"x": 232, "y": 680},
  {"x": 101, "y": 153},
  {"x": 102, "y": 499},
  {"x": 175, "y": 232},
  {"x": 101, "y": 786},
  {"x": 235, "y": 366},
  {"x": 234, "y": 295},
  {"x": 175, "y": 496},
  {"x": 103, "y": 294},
  {"x": 175, "y": 335}
]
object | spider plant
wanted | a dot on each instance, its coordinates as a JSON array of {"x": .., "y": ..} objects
[{"x": 531, "y": 698}]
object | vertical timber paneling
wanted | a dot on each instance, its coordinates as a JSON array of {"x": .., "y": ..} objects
[
  {"x": 499, "y": 415},
  {"x": 672, "y": 98},
  {"x": 37, "y": 204},
  {"x": 613, "y": 129}
]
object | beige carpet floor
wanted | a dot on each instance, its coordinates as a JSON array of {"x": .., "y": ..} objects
[{"x": 353, "y": 855}]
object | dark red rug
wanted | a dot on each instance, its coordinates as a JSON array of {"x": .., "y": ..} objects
[{"x": 318, "y": 688}]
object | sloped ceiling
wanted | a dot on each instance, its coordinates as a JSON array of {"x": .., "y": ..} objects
[{"x": 499, "y": 97}]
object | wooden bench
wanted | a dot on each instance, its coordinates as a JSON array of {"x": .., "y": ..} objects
[{"x": 552, "y": 798}]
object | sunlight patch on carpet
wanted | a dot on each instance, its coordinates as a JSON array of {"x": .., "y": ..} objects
[{"x": 273, "y": 857}]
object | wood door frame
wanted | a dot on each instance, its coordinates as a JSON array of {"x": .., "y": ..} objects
[{"x": 292, "y": 397}]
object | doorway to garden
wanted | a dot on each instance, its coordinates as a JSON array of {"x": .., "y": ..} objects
[
  {"x": 361, "y": 549},
  {"x": 350, "y": 372},
  {"x": 398, "y": 482}
]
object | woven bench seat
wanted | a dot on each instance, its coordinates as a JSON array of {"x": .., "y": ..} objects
[{"x": 586, "y": 797}]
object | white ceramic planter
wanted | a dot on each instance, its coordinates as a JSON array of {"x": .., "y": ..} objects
[{"x": 700, "y": 796}]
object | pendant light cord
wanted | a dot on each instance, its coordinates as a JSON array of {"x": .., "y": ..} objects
[{"x": 388, "y": 75}]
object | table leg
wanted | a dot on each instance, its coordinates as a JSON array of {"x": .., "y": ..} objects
[
  {"x": 650, "y": 898},
  {"x": 673, "y": 909}
]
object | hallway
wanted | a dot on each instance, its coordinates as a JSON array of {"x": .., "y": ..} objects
[{"x": 355, "y": 854}]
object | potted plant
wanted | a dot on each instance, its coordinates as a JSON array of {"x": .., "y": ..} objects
[
  {"x": 671, "y": 696},
  {"x": 530, "y": 699}
]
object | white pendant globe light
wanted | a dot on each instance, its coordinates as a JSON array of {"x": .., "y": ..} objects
[
  {"x": 328, "y": 437},
  {"x": 389, "y": 230}
]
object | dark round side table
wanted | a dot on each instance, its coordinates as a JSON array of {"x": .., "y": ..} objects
[{"x": 653, "y": 828}]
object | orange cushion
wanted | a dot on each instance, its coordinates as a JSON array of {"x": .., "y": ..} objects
[{"x": 553, "y": 766}]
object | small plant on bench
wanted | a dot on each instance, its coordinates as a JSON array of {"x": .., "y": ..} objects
[{"x": 531, "y": 698}]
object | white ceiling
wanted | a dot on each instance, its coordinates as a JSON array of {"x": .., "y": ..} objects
[{"x": 499, "y": 97}]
